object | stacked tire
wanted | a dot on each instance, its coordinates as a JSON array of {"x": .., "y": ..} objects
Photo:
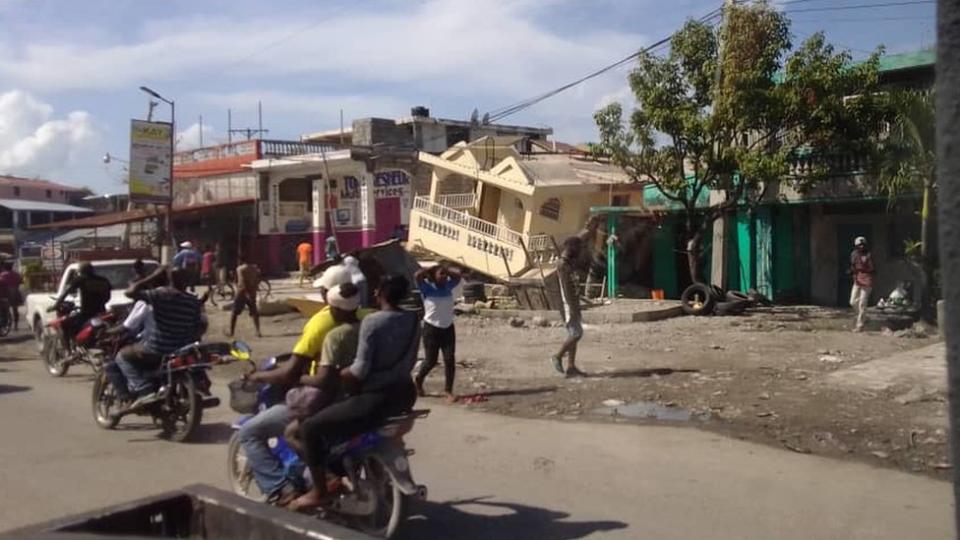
[{"x": 702, "y": 299}]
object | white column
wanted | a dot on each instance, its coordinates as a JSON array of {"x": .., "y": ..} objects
[
  {"x": 318, "y": 204},
  {"x": 718, "y": 264}
]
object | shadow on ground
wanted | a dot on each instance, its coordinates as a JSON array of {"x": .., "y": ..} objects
[
  {"x": 646, "y": 372},
  {"x": 481, "y": 519},
  {"x": 521, "y": 391},
  {"x": 11, "y": 388}
]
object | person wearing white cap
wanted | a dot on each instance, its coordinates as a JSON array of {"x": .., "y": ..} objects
[
  {"x": 862, "y": 270},
  {"x": 357, "y": 278},
  {"x": 268, "y": 471},
  {"x": 188, "y": 259}
]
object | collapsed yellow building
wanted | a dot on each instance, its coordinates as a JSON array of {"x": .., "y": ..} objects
[{"x": 503, "y": 213}]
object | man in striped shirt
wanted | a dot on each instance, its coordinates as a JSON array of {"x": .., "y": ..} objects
[{"x": 177, "y": 320}]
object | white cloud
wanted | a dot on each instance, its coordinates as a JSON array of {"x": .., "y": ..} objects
[
  {"x": 35, "y": 144},
  {"x": 468, "y": 50},
  {"x": 189, "y": 138}
]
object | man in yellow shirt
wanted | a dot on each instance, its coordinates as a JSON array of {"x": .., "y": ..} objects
[{"x": 268, "y": 471}]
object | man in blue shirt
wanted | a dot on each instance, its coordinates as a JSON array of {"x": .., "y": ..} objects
[
  {"x": 436, "y": 287},
  {"x": 188, "y": 259}
]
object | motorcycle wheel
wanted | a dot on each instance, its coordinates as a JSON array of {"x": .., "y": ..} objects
[
  {"x": 54, "y": 355},
  {"x": 389, "y": 501},
  {"x": 181, "y": 412},
  {"x": 225, "y": 292},
  {"x": 240, "y": 472},
  {"x": 104, "y": 398}
]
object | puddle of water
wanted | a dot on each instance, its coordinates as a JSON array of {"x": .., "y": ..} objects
[{"x": 652, "y": 411}]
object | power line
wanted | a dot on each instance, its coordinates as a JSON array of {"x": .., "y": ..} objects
[
  {"x": 859, "y": 6},
  {"x": 864, "y": 19},
  {"x": 499, "y": 114}
]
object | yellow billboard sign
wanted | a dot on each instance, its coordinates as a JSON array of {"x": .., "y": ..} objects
[{"x": 151, "y": 159}]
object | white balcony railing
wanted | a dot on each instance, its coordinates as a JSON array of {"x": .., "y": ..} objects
[
  {"x": 467, "y": 221},
  {"x": 458, "y": 201}
]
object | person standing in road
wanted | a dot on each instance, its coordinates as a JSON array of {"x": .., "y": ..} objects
[
  {"x": 304, "y": 259},
  {"x": 208, "y": 266},
  {"x": 574, "y": 259},
  {"x": 331, "y": 249},
  {"x": 188, "y": 260},
  {"x": 248, "y": 279},
  {"x": 436, "y": 286},
  {"x": 862, "y": 270},
  {"x": 11, "y": 280}
]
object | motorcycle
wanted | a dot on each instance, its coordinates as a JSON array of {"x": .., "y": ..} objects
[
  {"x": 183, "y": 389},
  {"x": 88, "y": 346},
  {"x": 373, "y": 467}
]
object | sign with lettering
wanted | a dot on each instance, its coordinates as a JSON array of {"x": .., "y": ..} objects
[{"x": 151, "y": 152}]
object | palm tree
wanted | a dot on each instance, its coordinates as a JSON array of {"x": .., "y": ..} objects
[{"x": 908, "y": 164}]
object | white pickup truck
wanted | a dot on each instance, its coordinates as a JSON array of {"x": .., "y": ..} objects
[{"x": 119, "y": 272}]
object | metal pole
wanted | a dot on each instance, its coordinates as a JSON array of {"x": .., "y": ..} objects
[
  {"x": 948, "y": 178},
  {"x": 173, "y": 148},
  {"x": 201, "y": 131},
  {"x": 229, "y": 127},
  {"x": 259, "y": 120}
]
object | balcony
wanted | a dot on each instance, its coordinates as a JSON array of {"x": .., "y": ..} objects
[
  {"x": 459, "y": 201},
  {"x": 483, "y": 246}
]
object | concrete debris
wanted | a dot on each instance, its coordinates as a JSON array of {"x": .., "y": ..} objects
[
  {"x": 612, "y": 403},
  {"x": 716, "y": 347},
  {"x": 886, "y": 331},
  {"x": 880, "y": 454},
  {"x": 918, "y": 394},
  {"x": 764, "y": 395},
  {"x": 831, "y": 359},
  {"x": 542, "y": 322},
  {"x": 517, "y": 322}
]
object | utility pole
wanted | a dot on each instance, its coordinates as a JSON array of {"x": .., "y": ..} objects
[
  {"x": 720, "y": 250},
  {"x": 229, "y": 127},
  {"x": 948, "y": 177},
  {"x": 200, "y": 123}
]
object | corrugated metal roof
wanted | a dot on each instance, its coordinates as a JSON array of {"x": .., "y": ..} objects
[
  {"x": 894, "y": 62},
  {"x": 40, "y": 206},
  {"x": 7, "y": 180}
]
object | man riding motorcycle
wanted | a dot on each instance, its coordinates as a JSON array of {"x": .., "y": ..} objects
[
  {"x": 94, "y": 294},
  {"x": 268, "y": 472},
  {"x": 177, "y": 318}
]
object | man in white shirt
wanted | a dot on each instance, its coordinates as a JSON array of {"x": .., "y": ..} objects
[{"x": 436, "y": 286}]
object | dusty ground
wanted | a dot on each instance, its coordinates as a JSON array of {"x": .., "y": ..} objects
[{"x": 763, "y": 377}]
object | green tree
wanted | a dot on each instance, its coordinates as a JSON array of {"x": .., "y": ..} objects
[
  {"x": 728, "y": 111},
  {"x": 907, "y": 164}
]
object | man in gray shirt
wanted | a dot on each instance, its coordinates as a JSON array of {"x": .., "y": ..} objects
[{"x": 378, "y": 380}]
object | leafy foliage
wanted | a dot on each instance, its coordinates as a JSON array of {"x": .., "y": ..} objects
[{"x": 732, "y": 120}]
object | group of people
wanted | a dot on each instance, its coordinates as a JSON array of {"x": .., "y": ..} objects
[{"x": 349, "y": 370}]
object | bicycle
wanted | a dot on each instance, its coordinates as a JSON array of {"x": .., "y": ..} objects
[{"x": 227, "y": 291}]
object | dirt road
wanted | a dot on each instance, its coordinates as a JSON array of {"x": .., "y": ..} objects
[{"x": 489, "y": 476}]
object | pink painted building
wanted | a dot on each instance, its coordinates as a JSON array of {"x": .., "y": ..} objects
[{"x": 316, "y": 196}]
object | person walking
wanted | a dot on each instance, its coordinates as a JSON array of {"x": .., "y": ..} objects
[
  {"x": 862, "y": 270},
  {"x": 248, "y": 279},
  {"x": 331, "y": 248},
  {"x": 188, "y": 260},
  {"x": 304, "y": 259},
  {"x": 436, "y": 286}
]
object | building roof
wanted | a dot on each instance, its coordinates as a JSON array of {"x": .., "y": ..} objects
[
  {"x": 40, "y": 206},
  {"x": 333, "y": 135},
  {"x": 17, "y": 181},
  {"x": 138, "y": 214},
  {"x": 916, "y": 59},
  {"x": 563, "y": 170}
]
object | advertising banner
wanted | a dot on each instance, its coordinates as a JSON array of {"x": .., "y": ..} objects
[{"x": 150, "y": 159}]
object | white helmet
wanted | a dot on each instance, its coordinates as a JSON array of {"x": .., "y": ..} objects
[
  {"x": 333, "y": 276},
  {"x": 186, "y": 245},
  {"x": 860, "y": 241}
]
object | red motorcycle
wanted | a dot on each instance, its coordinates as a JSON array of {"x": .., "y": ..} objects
[{"x": 92, "y": 344}]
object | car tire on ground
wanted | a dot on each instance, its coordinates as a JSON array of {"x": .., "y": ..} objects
[
  {"x": 735, "y": 307},
  {"x": 737, "y": 296},
  {"x": 697, "y": 299}
]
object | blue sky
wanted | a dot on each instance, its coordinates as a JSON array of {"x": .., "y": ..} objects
[{"x": 69, "y": 70}]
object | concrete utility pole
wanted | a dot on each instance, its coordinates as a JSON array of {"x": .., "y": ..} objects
[
  {"x": 948, "y": 178},
  {"x": 720, "y": 250}
]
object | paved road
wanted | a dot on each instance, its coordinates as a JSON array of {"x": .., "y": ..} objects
[{"x": 489, "y": 476}]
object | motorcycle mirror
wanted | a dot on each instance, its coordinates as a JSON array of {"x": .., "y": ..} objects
[{"x": 240, "y": 350}]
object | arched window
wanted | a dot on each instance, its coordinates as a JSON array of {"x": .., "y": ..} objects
[{"x": 551, "y": 209}]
